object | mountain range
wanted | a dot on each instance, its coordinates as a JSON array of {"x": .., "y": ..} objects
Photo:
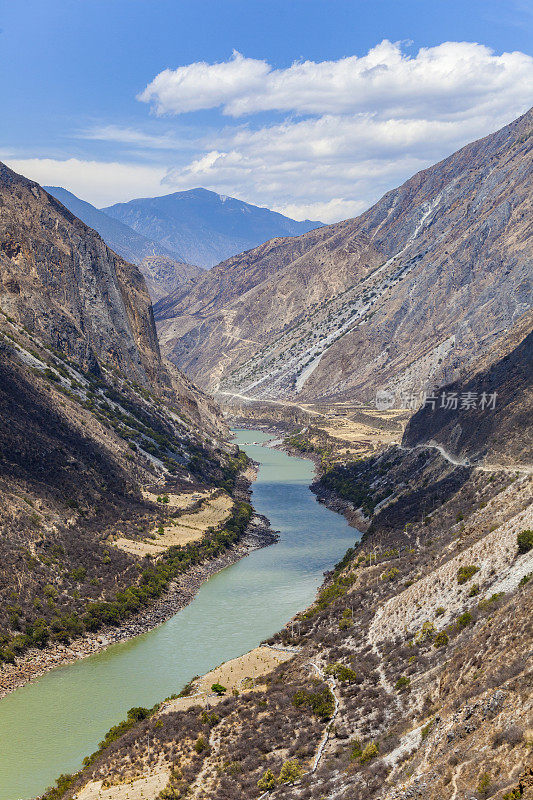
[
  {"x": 408, "y": 676},
  {"x": 204, "y": 227},
  {"x": 400, "y": 299},
  {"x": 173, "y": 238}
]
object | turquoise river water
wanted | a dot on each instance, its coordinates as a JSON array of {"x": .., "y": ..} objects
[{"x": 48, "y": 726}]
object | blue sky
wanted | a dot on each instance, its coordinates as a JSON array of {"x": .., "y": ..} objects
[{"x": 323, "y": 106}]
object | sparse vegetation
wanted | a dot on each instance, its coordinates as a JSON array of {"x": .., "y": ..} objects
[{"x": 465, "y": 573}]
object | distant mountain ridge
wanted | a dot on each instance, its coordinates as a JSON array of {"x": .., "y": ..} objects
[
  {"x": 170, "y": 270},
  {"x": 204, "y": 227},
  {"x": 401, "y": 298}
]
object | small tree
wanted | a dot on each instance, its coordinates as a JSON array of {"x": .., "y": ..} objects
[
  {"x": 217, "y": 688},
  {"x": 370, "y": 752},
  {"x": 465, "y": 573},
  {"x": 291, "y": 771},
  {"x": 464, "y": 620},
  {"x": 525, "y": 541},
  {"x": 402, "y": 683},
  {"x": 441, "y": 639},
  {"x": 267, "y": 781}
]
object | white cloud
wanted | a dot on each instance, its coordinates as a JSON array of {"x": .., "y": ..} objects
[
  {"x": 330, "y": 211},
  {"x": 130, "y": 136},
  {"x": 356, "y": 127},
  {"x": 101, "y": 183},
  {"x": 328, "y": 168},
  {"x": 451, "y": 77},
  {"x": 202, "y": 85}
]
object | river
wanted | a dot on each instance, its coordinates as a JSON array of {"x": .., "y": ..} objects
[{"x": 48, "y": 726}]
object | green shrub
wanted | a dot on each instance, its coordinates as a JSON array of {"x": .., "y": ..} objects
[
  {"x": 321, "y": 702},
  {"x": 427, "y": 729},
  {"x": 484, "y": 784},
  {"x": 356, "y": 750},
  {"x": 514, "y": 794},
  {"x": 483, "y": 604},
  {"x": 291, "y": 771},
  {"x": 134, "y": 716},
  {"x": 51, "y": 375},
  {"x": 426, "y": 632},
  {"x": 79, "y": 574},
  {"x": 402, "y": 683},
  {"x": 390, "y": 574},
  {"x": 200, "y": 744},
  {"x": 474, "y": 590},
  {"x": 465, "y": 573},
  {"x": 342, "y": 673},
  {"x": 217, "y": 688},
  {"x": 210, "y": 719},
  {"x": 441, "y": 639},
  {"x": 526, "y": 579},
  {"x": 464, "y": 620},
  {"x": 525, "y": 541},
  {"x": 370, "y": 752},
  {"x": 267, "y": 781}
]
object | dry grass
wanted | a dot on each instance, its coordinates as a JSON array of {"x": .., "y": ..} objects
[
  {"x": 239, "y": 673},
  {"x": 139, "y": 789},
  {"x": 215, "y": 510}
]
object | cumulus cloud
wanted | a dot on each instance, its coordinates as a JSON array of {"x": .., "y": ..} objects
[
  {"x": 101, "y": 183},
  {"x": 451, "y": 77},
  {"x": 350, "y": 129},
  {"x": 354, "y": 127},
  {"x": 328, "y": 168},
  {"x": 201, "y": 85}
]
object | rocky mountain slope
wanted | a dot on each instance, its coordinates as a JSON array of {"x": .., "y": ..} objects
[
  {"x": 163, "y": 270},
  {"x": 90, "y": 415},
  {"x": 492, "y": 421},
  {"x": 398, "y": 299},
  {"x": 204, "y": 227},
  {"x": 410, "y": 674}
]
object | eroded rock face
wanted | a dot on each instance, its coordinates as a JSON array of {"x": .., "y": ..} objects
[
  {"x": 163, "y": 270},
  {"x": 60, "y": 280},
  {"x": 401, "y": 298}
]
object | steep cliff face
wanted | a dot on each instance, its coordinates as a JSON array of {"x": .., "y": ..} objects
[
  {"x": 400, "y": 298},
  {"x": 163, "y": 270},
  {"x": 61, "y": 281},
  {"x": 89, "y": 416}
]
